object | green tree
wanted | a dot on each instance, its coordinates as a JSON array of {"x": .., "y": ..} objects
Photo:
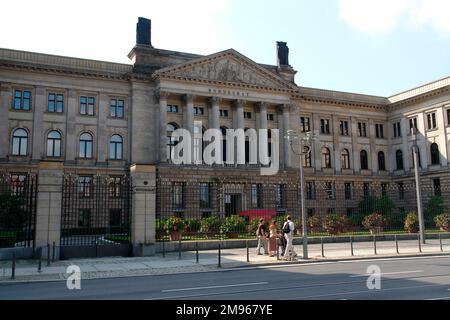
[
  {"x": 372, "y": 204},
  {"x": 435, "y": 207}
]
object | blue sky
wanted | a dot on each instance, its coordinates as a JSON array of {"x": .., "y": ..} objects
[{"x": 365, "y": 46}]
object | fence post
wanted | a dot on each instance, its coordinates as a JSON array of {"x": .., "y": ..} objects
[
  {"x": 420, "y": 245},
  {"x": 323, "y": 249},
  {"x": 219, "y": 262},
  {"x": 351, "y": 246},
  {"x": 13, "y": 267},
  {"x": 179, "y": 248},
  {"x": 40, "y": 259},
  {"x": 196, "y": 252},
  {"x": 48, "y": 254},
  {"x": 440, "y": 242},
  {"x": 375, "y": 244},
  {"x": 248, "y": 252},
  {"x": 54, "y": 252},
  {"x": 396, "y": 244}
]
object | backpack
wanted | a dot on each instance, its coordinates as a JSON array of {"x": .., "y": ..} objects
[{"x": 286, "y": 228}]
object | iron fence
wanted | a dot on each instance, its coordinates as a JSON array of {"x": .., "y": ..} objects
[
  {"x": 18, "y": 196},
  {"x": 227, "y": 210}
]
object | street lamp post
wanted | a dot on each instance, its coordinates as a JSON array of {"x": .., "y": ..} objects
[
  {"x": 305, "y": 141},
  {"x": 418, "y": 191}
]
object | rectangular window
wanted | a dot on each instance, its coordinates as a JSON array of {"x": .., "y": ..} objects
[
  {"x": 18, "y": 182},
  {"x": 256, "y": 196},
  {"x": 324, "y": 126},
  {"x": 344, "y": 128},
  {"x": 117, "y": 108},
  {"x": 84, "y": 186},
  {"x": 55, "y": 102},
  {"x": 379, "y": 131},
  {"x": 401, "y": 190},
  {"x": 310, "y": 190},
  {"x": 270, "y": 117},
  {"x": 84, "y": 220},
  {"x": 330, "y": 191},
  {"x": 205, "y": 196},
  {"x": 280, "y": 196},
  {"x": 348, "y": 191},
  {"x": 247, "y": 115},
  {"x": 178, "y": 195},
  {"x": 366, "y": 189},
  {"x": 413, "y": 125},
  {"x": 431, "y": 121},
  {"x": 87, "y": 105},
  {"x": 362, "y": 131},
  {"x": 437, "y": 187},
  {"x": 115, "y": 187},
  {"x": 397, "y": 130},
  {"x": 224, "y": 113},
  {"x": 305, "y": 124},
  {"x": 384, "y": 189},
  {"x": 22, "y": 100},
  {"x": 448, "y": 117},
  {"x": 171, "y": 108},
  {"x": 199, "y": 111}
]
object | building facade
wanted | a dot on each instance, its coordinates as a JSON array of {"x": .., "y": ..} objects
[{"x": 65, "y": 116}]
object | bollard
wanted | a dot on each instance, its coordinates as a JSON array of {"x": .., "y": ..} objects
[
  {"x": 179, "y": 248},
  {"x": 164, "y": 248},
  {"x": 351, "y": 246},
  {"x": 248, "y": 251},
  {"x": 396, "y": 244},
  {"x": 420, "y": 245},
  {"x": 323, "y": 250},
  {"x": 440, "y": 242},
  {"x": 375, "y": 245},
  {"x": 219, "y": 262},
  {"x": 40, "y": 260},
  {"x": 48, "y": 254},
  {"x": 13, "y": 267},
  {"x": 54, "y": 252},
  {"x": 196, "y": 252}
]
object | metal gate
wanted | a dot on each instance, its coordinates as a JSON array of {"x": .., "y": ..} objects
[
  {"x": 95, "y": 216},
  {"x": 18, "y": 196}
]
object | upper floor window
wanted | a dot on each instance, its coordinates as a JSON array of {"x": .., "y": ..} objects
[
  {"x": 54, "y": 144},
  {"x": 364, "y": 160},
  {"x": 397, "y": 129},
  {"x": 55, "y": 102},
  {"x": 399, "y": 159},
  {"x": 305, "y": 124},
  {"x": 325, "y": 126},
  {"x": 418, "y": 158},
  {"x": 344, "y": 128},
  {"x": 345, "y": 159},
  {"x": 18, "y": 183},
  {"x": 22, "y": 100},
  {"x": 224, "y": 113},
  {"x": 362, "y": 129},
  {"x": 307, "y": 160},
  {"x": 199, "y": 111},
  {"x": 270, "y": 117},
  {"x": 86, "y": 146},
  {"x": 379, "y": 131},
  {"x": 413, "y": 125},
  {"x": 171, "y": 108},
  {"x": 87, "y": 105},
  {"x": 435, "y": 156},
  {"x": 326, "y": 158},
  {"x": 117, "y": 108},
  {"x": 310, "y": 190},
  {"x": 84, "y": 186},
  {"x": 247, "y": 115},
  {"x": 205, "y": 196},
  {"x": 448, "y": 116},
  {"x": 330, "y": 190},
  {"x": 280, "y": 199},
  {"x": 116, "y": 147},
  {"x": 431, "y": 121},
  {"x": 256, "y": 195},
  {"x": 178, "y": 195},
  {"x": 20, "y": 142},
  {"x": 348, "y": 191},
  {"x": 381, "y": 161}
]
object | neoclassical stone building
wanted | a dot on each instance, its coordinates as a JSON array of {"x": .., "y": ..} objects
[{"x": 63, "y": 115}]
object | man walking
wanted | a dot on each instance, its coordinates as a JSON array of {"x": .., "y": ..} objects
[
  {"x": 288, "y": 230},
  {"x": 262, "y": 234}
]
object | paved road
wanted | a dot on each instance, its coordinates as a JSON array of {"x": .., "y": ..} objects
[{"x": 405, "y": 278}]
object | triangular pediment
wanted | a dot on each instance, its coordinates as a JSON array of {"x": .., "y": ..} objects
[{"x": 226, "y": 67}]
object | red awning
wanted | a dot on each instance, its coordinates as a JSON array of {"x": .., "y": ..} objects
[{"x": 267, "y": 214}]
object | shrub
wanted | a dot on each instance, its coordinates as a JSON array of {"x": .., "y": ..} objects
[
  {"x": 442, "y": 221},
  {"x": 434, "y": 208},
  {"x": 174, "y": 224},
  {"x": 315, "y": 223},
  {"x": 371, "y": 204},
  {"x": 335, "y": 224},
  {"x": 373, "y": 221},
  {"x": 12, "y": 214},
  {"x": 192, "y": 225},
  {"x": 210, "y": 224},
  {"x": 233, "y": 224},
  {"x": 412, "y": 222},
  {"x": 160, "y": 226},
  {"x": 252, "y": 226}
]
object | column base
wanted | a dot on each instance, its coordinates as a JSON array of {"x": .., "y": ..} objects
[{"x": 144, "y": 250}]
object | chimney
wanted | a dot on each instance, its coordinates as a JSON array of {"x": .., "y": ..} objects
[
  {"x": 144, "y": 32},
  {"x": 282, "y": 54}
]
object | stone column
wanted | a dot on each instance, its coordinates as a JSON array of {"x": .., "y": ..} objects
[
  {"x": 188, "y": 113},
  {"x": 286, "y": 151},
  {"x": 102, "y": 131},
  {"x": 214, "y": 116},
  {"x": 71, "y": 149},
  {"x": 162, "y": 96},
  {"x": 143, "y": 219},
  {"x": 263, "y": 125},
  {"x": 5, "y": 105},
  {"x": 49, "y": 200},
  {"x": 39, "y": 134},
  {"x": 239, "y": 122}
]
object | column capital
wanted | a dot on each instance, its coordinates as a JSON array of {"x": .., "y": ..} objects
[
  {"x": 239, "y": 103},
  {"x": 285, "y": 108},
  {"x": 262, "y": 106},
  {"x": 189, "y": 98},
  {"x": 215, "y": 100},
  {"x": 161, "y": 96}
]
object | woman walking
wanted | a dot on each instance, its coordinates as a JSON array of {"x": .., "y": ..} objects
[{"x": 273, "y": 229}]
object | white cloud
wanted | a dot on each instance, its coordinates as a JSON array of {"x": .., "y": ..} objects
[{"x": 383, "y": 16}]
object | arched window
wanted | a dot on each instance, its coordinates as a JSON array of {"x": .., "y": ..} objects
[
  {"x": 345, "y": 159},
  {"x": 418, "y": 157},
  {"x": 381, "y": 161},
  {"x": 54, "y": 144},
  {"x": 435, "y": 157},
  {"x": 20, "y": 142},
  {"x": 171, "y": 141},
  {"x": 364, "y": 160},
  {"x": 307, "y": 158},
  {"x": 116, "y": 147},
  {"x": 399, "y": 159},
  {"x": 326, "y": 158},
  {"x": 224, "y": 144},
  {"x": 86, "y": 146}
]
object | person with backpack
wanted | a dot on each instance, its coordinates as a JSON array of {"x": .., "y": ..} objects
[
  {"x": 262, "y": 235},
  {"x": 288, "y": 231}
]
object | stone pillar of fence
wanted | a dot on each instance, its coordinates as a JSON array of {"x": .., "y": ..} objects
[
  {"x": 48, "y": 209},
  {"x": 143, "y": 218}
]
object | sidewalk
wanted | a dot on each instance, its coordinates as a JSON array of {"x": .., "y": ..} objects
[{"x": 27, "y": 270}]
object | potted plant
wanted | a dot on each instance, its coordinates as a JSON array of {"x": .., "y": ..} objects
[
  {"x": 174, "y": 227},
  {"x": 375, "y": 223},
  {"x": 210, "y": 225},
  {"x": 412, "y": 222},
  {"x": 192, "y": 226},
  {"x": 443, "y": 222},
  {"x": 232, "y": 226}
]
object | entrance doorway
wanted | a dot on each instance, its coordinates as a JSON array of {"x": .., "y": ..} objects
[{"x": 233, "y": 204}]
